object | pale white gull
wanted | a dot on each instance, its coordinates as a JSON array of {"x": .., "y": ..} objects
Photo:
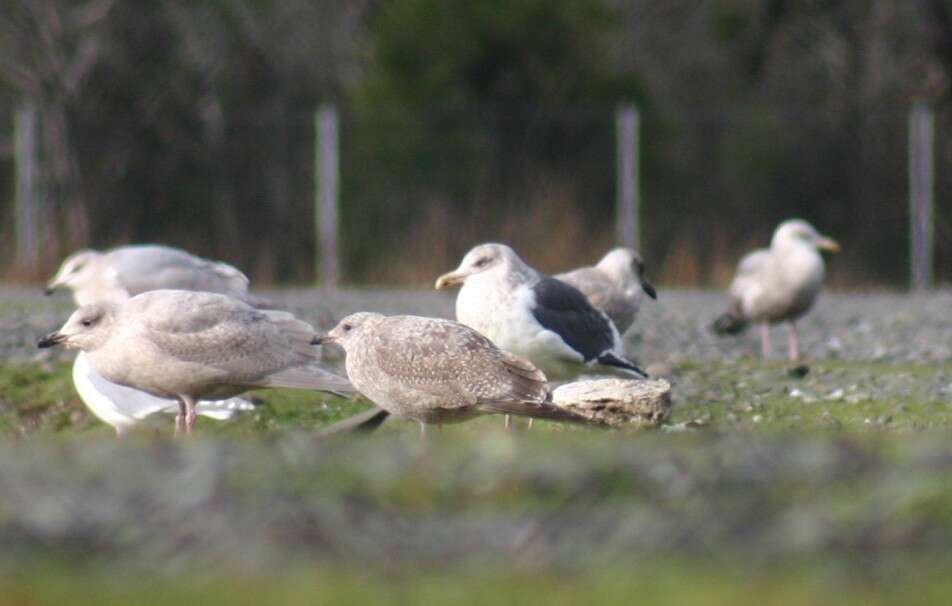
[
  {"x": 546, "y": 321},
  {"x": 777, "y": 284},
  {"x": 195, "y": 345},
  {"x": 123, "y": 407},
  {"x": 121, "y": 273},
  {"x": 438, "y": 371},
  {"x": 616, "y": 285}
]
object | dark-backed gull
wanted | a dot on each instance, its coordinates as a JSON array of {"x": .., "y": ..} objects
[{"x": 546, "y": 321}]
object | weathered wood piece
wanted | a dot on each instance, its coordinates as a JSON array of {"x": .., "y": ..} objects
[{"x": 617, "y": 403}]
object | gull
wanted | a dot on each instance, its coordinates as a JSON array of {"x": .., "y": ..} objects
[
  {"x": 615, "y": 286},
  {"x": 123, "y": 407},
  {"x": 121, "y": 273},
  {"x": 533, "y": 316},
  {"x": 189, "y": 346},
  {"x": 436, "y": 371},
  {"x": 777, "y": 284}
]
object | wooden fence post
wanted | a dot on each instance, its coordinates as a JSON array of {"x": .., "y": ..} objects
[
  {"x": 627, "y": 214},
  {"x": 27, "y": 196},
  {"x": 326, "y": 196},
  {"x": 921, "y": 194}
]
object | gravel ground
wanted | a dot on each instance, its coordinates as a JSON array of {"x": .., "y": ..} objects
[{"x": 877, "y": 326}]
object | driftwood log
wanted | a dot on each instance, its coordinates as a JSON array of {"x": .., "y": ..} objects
[
  {"x": 617, "y": 403},
  {"x": 610, "y": 402}
]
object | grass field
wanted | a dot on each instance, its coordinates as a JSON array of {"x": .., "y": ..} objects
[{"x": 770, "y": 484}]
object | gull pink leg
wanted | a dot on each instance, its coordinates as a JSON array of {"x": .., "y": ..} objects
[
  {"x": 765, "y": 340},
  {"x": 793, "y": 345},
  {"x": 189, "y": 414},
  {"x": 180, "y": 420}
]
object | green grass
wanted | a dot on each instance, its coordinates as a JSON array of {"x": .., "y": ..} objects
[
  {"x": 791, "y": 491},
  {"x": 749, "y": 395},
  {"x": 653, "y": 582},
  {"x": 834, "y": 395}
]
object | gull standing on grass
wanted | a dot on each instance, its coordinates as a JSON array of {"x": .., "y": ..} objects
[
  {"x": 124, "y": 272},
  {"x": 615, "y": 286},
  {"x": 437, "y": 371},
  {"x": 123, "y": 407},
  {"x": 777, "y": 284},
  {"x": 546, "y": 321},
  {"x": 188, "y": 346}
]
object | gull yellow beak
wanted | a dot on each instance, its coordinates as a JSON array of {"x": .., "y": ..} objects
[
  {"x": 447, "y": 280},
  {"x": 828, "y": 244}
]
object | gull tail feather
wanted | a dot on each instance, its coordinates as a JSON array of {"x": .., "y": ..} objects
[
  {"x": 364, "y": 422},
  {"x": 610, "y": 359},
  {"x": 533, "y": 410},
  {"x": 221, "y": 410},
  {"x": 310, "y": 378},
  {"x": 729, "y": 323}
]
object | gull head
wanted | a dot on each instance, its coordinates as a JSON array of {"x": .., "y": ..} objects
[
  {"x": 489, "y": 260},
  {"x": 86, "y": 329},
  {"x": 76, "y": 270},
  {"x": 797, "y": 232},
  {"x": 349, "y": 329},
  {"x": 625, "y": 265}
]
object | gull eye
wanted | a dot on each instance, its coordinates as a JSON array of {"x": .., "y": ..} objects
[
  {"x": 480, "y": 262},
  {"x": 346, "y": 327},
  {"x": 86, "y": 323}
]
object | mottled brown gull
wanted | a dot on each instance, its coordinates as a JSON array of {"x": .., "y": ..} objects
[
  {"x": 616, "y": 285},
  {"x": 121, "y": 273},
  {"x": 777, "y": 284},
  {"x": 438, "y": 371},
  {"x": 195, "y": 345},
  {"x": 546, "y": 321}
]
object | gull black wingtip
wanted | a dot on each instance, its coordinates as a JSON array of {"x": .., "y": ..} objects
[
  {"x": 49, "y": 290},
  {"x": 649, "y": 290},
  {"x": 610, "y": 359},
  {"x": 50, "y": 340}
]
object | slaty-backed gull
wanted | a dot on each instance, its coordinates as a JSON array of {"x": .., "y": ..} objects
[
  {"x": 195, "y": 345},
  {"x": 438, "y": 371},
  {"x": 546, "y": 321},
  {"x": 777, "y": 284},
  {"x": 616, "y": 285}
]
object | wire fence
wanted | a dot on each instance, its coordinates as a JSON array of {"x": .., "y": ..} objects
[{"x": 418, "y": 186}]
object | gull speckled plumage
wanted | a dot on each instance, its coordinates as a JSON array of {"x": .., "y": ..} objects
[
  {"x": 438, "y": 371},
  {"x": 195, "y": 345}
]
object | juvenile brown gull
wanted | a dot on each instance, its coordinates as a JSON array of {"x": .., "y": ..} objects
[
  {"x": 121, "y": 273},
  {"x": 546, "y": 321},
  {"x": 616, "y": 285},
  {"x": 195, "y": 345},
  {"x": 438, "y": 371},
  {"x": 777, "y": 284}
]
